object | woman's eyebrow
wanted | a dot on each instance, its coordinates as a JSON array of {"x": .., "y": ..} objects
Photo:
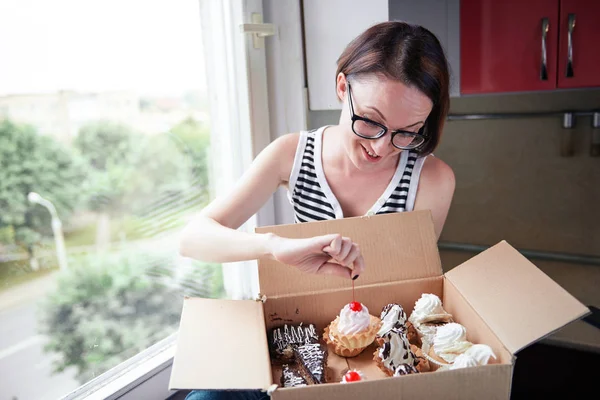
[
  {"x": 383, "y": 118},
  {"x": 411, "y": 125},
  {"x": 378, "y": 112}
]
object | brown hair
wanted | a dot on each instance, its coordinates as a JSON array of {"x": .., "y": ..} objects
[{"x": 407, "y": 53}]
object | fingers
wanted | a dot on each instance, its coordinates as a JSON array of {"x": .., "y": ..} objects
[
  {"x": 334, "y": 269},
  {"x": 339, "y": 248},
  {"x": 359, "y": 266},
  {"x": 352, "y": 255},
  {"x": 333, "y": 244},
  {"x": 346, "y": 253}
]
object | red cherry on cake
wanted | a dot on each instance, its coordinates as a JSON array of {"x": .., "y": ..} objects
[
  {"x": 352, "y": 376},
  {"x": 356, "y": 306}
]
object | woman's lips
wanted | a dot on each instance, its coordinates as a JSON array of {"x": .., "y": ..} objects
[{"x": 369, "y": 157}]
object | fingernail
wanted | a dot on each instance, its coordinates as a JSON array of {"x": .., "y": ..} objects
[{"x": 355, "y": 277}]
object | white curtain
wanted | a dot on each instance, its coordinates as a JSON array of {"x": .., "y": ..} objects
[{"x": 231, "y": 135}]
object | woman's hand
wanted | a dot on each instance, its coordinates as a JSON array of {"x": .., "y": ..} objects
[{"x": 327, "y": 254}]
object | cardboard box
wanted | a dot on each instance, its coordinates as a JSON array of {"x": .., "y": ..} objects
[{"x": 502, "y": 299}]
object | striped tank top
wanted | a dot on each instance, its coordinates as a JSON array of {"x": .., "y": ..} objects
[{"x": 312, "y": 198}]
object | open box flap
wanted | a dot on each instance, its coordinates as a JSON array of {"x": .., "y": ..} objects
[
  {"x": 222, "y": 344},
  {"x": 395, "y": 247},
  {"x": 519, "y": 302}
]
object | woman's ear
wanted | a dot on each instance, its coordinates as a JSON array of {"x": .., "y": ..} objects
[{"x": 341, "y": 86}]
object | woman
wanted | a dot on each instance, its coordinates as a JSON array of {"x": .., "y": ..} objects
[{"x": 392, "y": 81}]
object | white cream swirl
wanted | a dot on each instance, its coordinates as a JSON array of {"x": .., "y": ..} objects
[
  {"x": 463, "y": 361},
  {"x": 478, "y": 354},
  {"x": 352, "y": 322},
  {"x": 450, "y": 340},
  {"x": 392, "y": 316},
  {"x": 428, "y": 308}
]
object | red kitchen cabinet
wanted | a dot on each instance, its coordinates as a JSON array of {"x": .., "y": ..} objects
[
  {"x": 579, "y": 55},
  {"x": 520, "y": 46},
  {"x": 502, "y": 45}
]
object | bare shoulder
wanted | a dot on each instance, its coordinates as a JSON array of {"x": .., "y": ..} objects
[
  {"x": 286, "y": 143},
  {"x": 437, "y": 175},
  {"x": 283, "y": 151},
  {"x": 435, "y": 191}
]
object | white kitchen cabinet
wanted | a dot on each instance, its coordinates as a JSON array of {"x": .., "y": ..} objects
[{"x": 331, "y": 24}]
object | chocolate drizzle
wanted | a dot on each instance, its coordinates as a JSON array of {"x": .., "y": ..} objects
[
  {"x": 291, "y": 376},
  {"x": 405, "y": 369},
  {"x": 390, "y": 353},
  {"x": 385, "y": 352},
  {"x": 311, "y": 359},
  {"x": 400, "y": 322}
]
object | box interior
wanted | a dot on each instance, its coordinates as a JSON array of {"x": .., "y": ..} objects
[{"x": 321, "y": 308}]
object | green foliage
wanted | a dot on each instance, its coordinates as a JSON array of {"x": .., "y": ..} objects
[
  {"x": 131, "y": 171},
  {"x": 30, "y": 162},
  {"x": 195, "y": 139},
  {"x": 107, "y": 309},
  {"x": 109, "y": 149},
  {"x": 105, "y": 143}
]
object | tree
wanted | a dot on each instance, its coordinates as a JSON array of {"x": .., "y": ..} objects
[
  {"x": 158, "y": 175},
  {"x": 30, "y": 162},
  {"x": 107, "y": 308},
  {"x": 194, "y": 138},
  {"x": 109, "y": 149}
]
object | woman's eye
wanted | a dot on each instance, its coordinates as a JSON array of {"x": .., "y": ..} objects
[{"x": 370, "y": 122}]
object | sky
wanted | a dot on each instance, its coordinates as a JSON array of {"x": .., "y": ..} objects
[{"x": 151, "y": 46}]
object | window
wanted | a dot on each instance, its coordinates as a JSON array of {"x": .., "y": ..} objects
[{"x": 90, "y": 209}]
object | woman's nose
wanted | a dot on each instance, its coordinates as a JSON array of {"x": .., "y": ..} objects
[{"x": 382, "y": 146}]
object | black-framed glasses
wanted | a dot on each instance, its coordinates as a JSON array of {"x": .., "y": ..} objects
[{"x": 369, "y": 129}]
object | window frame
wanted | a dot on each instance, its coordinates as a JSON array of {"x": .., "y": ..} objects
[{"x": 147, "y": 374}]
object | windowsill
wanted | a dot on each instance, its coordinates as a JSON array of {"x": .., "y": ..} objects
[{"x": 145, "y": 375}]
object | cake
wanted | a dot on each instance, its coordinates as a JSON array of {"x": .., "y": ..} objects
[
  {"x": 291, "y": 376},
  {"x": 312, "y": 362},
  {"x": 282, "y": 340},
  {"x": 352, "y": 331}
]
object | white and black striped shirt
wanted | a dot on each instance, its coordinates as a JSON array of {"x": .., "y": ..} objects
[{"x": 313, "y": 200}]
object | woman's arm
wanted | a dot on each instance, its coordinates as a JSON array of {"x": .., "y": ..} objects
[
  {"x": 213, "y": 236},
  {"x": 435, "y": 191}
]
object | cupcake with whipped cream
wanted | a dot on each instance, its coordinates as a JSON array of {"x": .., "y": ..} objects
[
  {"x": 352, "y": 331},
  {"x": 427, "y": 316},
  {"x": 449, "y": 342}
]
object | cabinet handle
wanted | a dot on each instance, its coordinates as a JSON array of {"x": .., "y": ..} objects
[
  {"x": 569, "y": 72},
  {"x": 544, "y": 68}
]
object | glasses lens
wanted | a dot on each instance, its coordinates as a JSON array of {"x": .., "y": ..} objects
[
  {"x": 367, "y": 129},
  {"x": 407, "y": 141}
]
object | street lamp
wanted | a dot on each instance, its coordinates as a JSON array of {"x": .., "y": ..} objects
[{"x": 56, "y": 228}]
